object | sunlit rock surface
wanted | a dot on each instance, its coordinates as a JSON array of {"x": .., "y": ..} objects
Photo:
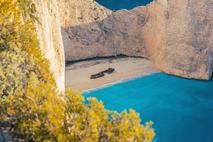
[
  {"x": 50, "y": 39},
  {"x": 186, "y": 40},
  {"x": 176, "y": 35}
]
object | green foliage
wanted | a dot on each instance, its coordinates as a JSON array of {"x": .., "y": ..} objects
[{"x": 30, "y": 107}]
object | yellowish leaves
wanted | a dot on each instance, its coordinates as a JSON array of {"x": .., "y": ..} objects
[
  {"x": 30, "y": 106},
  {"x": 92, "y": 122},
  {"x": 150, "y": 135}
]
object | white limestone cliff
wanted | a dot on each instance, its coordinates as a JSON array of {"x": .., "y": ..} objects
[
  {"x": 50, "y": 38},
  {"x": 176, "y": 35}
]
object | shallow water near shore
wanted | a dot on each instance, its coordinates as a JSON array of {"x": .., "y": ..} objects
[
  {"x": 122, "y": 4},
  {"x": 181, "y": 109}
]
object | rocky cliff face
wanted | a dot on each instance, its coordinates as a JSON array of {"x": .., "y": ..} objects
[
  {"x": 77, "y": 12},
  {"x": 118, "y": 33},
  {"x": 50, "y": 39},
  {"x": 80, "y": 12},
  {"x": 186, "y": 40},
  {"x": 176, "y": 35}
]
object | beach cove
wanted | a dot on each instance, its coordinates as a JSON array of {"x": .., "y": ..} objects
[{"x": 78, "y": 75}]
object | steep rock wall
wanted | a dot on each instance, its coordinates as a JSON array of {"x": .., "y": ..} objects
[
  {"x": 82, "y": 12},
  {"x": 189, "y": 37},
  {"x": 118, "y": 33},
  {"x": 50, "y": 39},
  {"x": 179, "y": 37},
  {"x": 176, "y": 35}
]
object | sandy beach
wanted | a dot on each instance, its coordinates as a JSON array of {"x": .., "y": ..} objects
[{"x": 78, "y": 74}]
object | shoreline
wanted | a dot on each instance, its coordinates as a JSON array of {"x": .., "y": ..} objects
[
  {"x": 118, "y": 82},
  {"x": 78, "y": 75}
]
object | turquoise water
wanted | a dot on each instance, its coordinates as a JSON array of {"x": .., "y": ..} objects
[
  {"x": 181, "y": 109},
  {"x": 122, "y": 4}
]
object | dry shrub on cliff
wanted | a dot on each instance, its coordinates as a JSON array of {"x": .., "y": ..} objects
[
  {"x": 19, "y": 51},
  {"x": 93, "y": 123},
  {"x": 30, "y": 107}
]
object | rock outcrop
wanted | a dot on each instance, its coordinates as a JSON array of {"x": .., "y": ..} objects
[
  {"x": 50, "y": 39},
  {"x": 176, "y": 35},
  {"x": 77, "y": 12},
  {"x": 118, "y": 33},
  {"x": 185, "y": 47}
]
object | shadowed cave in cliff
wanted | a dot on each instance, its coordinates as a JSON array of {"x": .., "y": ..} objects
[{"x": 122, "y": 4}]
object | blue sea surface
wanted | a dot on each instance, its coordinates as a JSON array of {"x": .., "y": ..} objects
[
  {"x": 181, "y": 109},
  {"x": 122, "y": 4}
]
